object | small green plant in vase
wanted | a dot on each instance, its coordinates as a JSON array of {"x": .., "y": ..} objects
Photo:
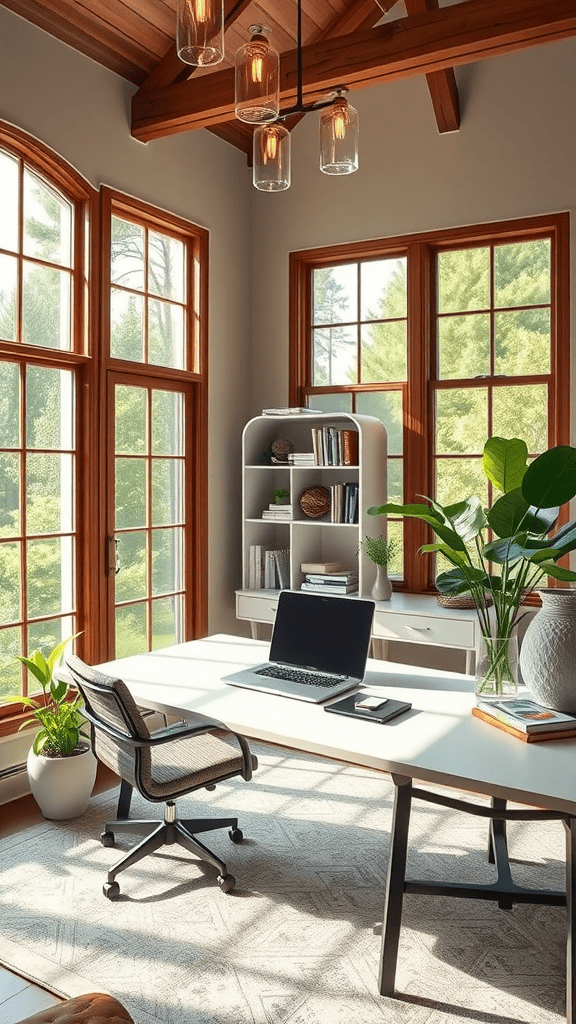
[
  {"x": 503, "y": 551},
  {"x": 280, "y": 495},
  {"x": 381, "y": 551}
]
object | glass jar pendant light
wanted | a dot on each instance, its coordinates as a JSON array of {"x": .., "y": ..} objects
[
  {"x": 339, "y": 137},
  {"x": 200, "y": 31},
  {"x": 257, "y": 79},
  {"x": 271, "y": 157}
]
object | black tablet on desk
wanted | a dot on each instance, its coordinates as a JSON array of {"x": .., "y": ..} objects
[{"x": 387, "y": 709}]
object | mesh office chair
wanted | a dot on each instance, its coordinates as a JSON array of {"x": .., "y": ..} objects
[{"x": 162, "y": 766}]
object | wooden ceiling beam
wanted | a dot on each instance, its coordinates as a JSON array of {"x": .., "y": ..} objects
[
  {"x": 171, "y": 69},
  {"x": 462, "y": 34},
  {"x": 441, "y": 84},
  {"x": 358, "y": 15}
]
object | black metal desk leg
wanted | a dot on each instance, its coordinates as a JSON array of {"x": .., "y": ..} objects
[
  {"x": 570, "y": 922},
  {"x": 395, "y": 884}
]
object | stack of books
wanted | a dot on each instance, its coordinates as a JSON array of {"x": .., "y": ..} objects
[
  {"x": 526, "y": 719},
  {"x": 301, "y": 459},
  {"x": 277, "y": 512},
  {"x": 269, "y": 570},
  {"x": 343, "y": 582}
]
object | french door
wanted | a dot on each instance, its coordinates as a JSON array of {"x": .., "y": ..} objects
[{"x": 150, "y": 543}]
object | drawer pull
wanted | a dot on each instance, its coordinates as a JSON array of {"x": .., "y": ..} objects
[{"x": 419, "y": 629}]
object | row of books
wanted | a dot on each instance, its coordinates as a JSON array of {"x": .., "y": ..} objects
[
  {"x": 268, "y": 569},
  {"x": 344, "y": 503},
  {"x": 330, "y": 447},
  {"x": 343, "y": 582},
  {"x": 526, "y": 719},
  {"x": 334, "y": 447}
]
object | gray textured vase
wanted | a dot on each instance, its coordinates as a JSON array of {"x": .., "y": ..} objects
[{"x": 548, "y": 652}]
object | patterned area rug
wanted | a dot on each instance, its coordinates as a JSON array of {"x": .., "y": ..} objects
[{"x": 298, "y": 940}]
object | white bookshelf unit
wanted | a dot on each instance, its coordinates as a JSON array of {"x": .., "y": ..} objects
[
  {"x": 308, "y": 540},
  {"x": 406, "y": 618}
]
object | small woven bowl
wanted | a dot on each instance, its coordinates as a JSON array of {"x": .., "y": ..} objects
[
  {"x": 459, "y": 600},
  {"x": 315, "y": 502},
  {"x": 281, "y": 448}
]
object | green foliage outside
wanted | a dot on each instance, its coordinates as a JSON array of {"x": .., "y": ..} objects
[
  {"x": 48, "y": 435},
  {"x": 521, "y": 277}
]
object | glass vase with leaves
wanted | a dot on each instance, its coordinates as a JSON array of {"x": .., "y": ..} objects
[{"x": 503, "y": 551}]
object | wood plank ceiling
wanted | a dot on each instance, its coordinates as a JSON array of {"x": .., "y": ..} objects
[{"x": 357, "y": 43}]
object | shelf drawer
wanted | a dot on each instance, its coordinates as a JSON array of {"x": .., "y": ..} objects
[
  {"x": 424, "y": 629},
  {"x": 257, "y": 609}
]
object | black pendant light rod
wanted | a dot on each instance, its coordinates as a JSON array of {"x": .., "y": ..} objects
[{"x": 300, "y": 107}]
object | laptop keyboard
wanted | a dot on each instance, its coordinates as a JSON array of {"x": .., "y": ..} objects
[{"x": 297, "y": 675}]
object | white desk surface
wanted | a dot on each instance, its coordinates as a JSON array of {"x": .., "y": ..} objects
[{"x": 438, "y": 741}]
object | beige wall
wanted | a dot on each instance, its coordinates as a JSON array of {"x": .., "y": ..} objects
[
  {"x": 82, "y": 110},
  {"x": 514, "y": 156}
]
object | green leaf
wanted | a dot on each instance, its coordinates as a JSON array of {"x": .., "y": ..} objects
[
  {"x": 504, "y": 462},
  {"x": 507, "y": 513},
  {"x": 558, "y": 572},
  {"x": 551, "y": 479},
  {"x": 456, "y": 557},
  {"x": 36, "y": 671},
  {"x": 508, "y": 549},
  {"x": 467, "y": 518},
  {"x": 58, "y": 651},
  {"x": 459, "y": 580},
  {"x": 58, "y": 690},
  {"x": 565, "y": 540},
  {"x": 428, "y": 515}
]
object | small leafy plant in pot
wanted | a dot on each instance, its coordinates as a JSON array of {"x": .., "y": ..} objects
[
  {"x": 381, "y": 551},
  {"x": 61, "y": 765},
  {"x": 280, "y": 495}
]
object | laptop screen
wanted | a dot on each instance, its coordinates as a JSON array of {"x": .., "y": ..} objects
[{"x": 331, "y": 634}]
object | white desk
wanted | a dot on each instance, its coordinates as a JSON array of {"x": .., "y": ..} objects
[{"x": 437, "y": 741}]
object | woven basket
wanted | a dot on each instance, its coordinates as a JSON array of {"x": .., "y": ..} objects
[
  {"x": 281, "y": 448},
  {"x": 459, "y": 601},
  {"x": 315, "y": 502}
]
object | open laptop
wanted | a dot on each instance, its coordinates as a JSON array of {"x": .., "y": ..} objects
[{"x": 319, "y": 648}]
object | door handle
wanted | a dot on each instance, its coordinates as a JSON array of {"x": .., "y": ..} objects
[{"x": 112, "y": 559}]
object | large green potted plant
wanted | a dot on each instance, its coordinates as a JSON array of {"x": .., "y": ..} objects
[
  {"x": 61, "y": 765},
  {"x": 506, "y": 550}
]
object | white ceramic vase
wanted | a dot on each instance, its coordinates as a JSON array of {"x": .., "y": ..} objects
[
  {"x": 548, "y": 652},
  {"x": 62, "y": 786},
  {"x": 382, "y": 589}
]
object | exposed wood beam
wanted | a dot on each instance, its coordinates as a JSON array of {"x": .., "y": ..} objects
[
  {"x": 171, "y": 69},
  {"x": 358, "y": 15},
  {"x": 441, "y": 84},
  {"x": 422, "y": 44}
]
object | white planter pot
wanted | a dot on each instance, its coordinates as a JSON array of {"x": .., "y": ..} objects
[
  {"x": 382, "y": 589},
  {"x": 548, "y": 652},
  {"x": 62, "y": 786}
]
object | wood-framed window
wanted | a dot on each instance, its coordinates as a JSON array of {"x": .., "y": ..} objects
[
  {"x": 448, "y": 337},
  {"x": 154, "y": 298},
  {"x": 44, "y": 367},
  {"x": 103, "y": 418}
]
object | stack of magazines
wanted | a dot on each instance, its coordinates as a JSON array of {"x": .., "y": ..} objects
[
  {"x": 343, "y": 582},
  {"x": 526, "y": 719}
]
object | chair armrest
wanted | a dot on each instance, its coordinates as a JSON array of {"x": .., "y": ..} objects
[{"x": 196, "y": 726}]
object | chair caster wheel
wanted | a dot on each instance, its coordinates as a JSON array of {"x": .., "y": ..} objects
[
  {"x": 226, "y": 882},
  {"x": 236, "y": 835},
  {"x": 107, "y": 839},
  {"x": 111, "y": 890}
]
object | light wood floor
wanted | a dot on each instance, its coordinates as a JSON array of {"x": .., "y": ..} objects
[{"x": 20, "y": 998}]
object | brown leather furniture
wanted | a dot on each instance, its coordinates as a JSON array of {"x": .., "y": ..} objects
[{"x": 93, "y": 1008}]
